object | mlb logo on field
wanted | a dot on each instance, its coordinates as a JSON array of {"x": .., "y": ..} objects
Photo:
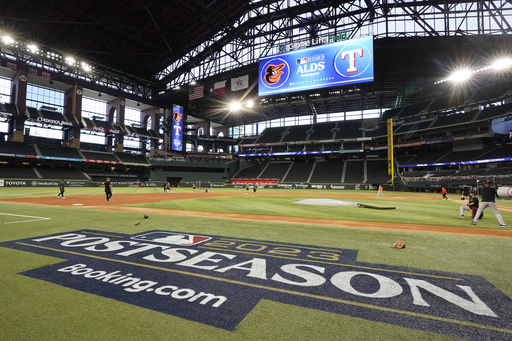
[{"x": 169, "y": 238}]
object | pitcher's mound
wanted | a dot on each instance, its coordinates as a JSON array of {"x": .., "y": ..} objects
[{"x": 325, "y": 202}]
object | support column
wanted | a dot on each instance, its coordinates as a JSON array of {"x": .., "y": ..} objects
[
  {"x": 73, "y": 106},
  {"x": 154, "y": 114},
  {"x": 19, "y": 97},
  {"x": 116, "y": 109}
]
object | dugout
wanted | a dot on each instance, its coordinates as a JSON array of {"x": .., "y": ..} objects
[{"x": 174, "y": 181}]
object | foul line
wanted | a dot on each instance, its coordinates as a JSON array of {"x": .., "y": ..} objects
[
  {"x": 324, "y": 298},
  {"x": 25, "y": 216}
]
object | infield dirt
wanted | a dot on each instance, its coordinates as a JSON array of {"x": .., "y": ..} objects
[{"x": 98, "y": 202}]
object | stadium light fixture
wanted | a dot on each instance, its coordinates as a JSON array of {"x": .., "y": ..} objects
[
  {"x": 32, "y": 48},
  {"x": 86, "y": 67},
  {"x": 460, "y": 76},
  {"x": 70, "y": 60},
  {"x": 7, "y": 40},
  {"x": 249, "y": 104},
  {"x": 235, "y": 106},
  {"x": 502, "y": 64}
]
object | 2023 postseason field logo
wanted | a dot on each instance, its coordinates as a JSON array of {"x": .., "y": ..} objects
[{"x": 217, "y": 281}]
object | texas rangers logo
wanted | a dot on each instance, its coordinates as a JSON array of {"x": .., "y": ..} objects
[
  {"x": 275, "y": 73},
  {"x": 352, "y": 60}
]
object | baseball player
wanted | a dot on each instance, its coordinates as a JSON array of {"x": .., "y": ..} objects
[
  {"x": 108, "y": 190},
  {"x": 488, "y": 197},
  {"x": 62, "y": 190},
  {"x": 471, "y": 205}
]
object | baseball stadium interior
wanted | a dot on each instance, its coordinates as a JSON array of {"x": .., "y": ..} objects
[{"x": 90, "y": 90}]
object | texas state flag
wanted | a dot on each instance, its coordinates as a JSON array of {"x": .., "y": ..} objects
[{"x": 217, "y": 88}]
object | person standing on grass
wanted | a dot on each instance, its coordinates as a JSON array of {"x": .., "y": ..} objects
[
  {"x": 255, "y": 189},
  {"x": 108, "y": 190},
  {"x": 488, "y": 197},
  {"x": 167, "y": 187},
  {"x": 246, "y": 188},
  {"x": 380, "y": 191},
  {"x": 61, "y": 188},
  {"x": 444, "y": 192}
]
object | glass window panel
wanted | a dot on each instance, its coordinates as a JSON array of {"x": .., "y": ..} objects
[
  {"x": 93, "y": 107},
  {"x": 5, "y": 90},
  {"x": 4, "y": 127}
]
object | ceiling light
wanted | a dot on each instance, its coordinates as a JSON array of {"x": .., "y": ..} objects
[
  {"x": 32, "y": 48},
  {"x": 460, "y": 76},
  {"x": 86, "y": 67},
  {"x": 8, "y": 39},
  {"x": 502, "y": 64},
  {"x": 70, "y": 60},
  {"x": 235, "y": 106}
]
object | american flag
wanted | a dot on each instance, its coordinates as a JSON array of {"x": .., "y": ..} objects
[{"x": 195, "y": 93}]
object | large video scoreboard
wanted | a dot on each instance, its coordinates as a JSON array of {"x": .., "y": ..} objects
[{"x": 336, "y": 64}]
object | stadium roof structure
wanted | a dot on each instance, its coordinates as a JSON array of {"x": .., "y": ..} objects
[{"x": 163, "y": 44}]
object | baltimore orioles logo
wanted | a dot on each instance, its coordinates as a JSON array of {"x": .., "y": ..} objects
[
  {"x": 177, "y": 116},
  {"x": 273, "y": 73}
]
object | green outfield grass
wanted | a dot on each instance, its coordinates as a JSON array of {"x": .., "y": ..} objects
[{"x": 36, "y": 310}]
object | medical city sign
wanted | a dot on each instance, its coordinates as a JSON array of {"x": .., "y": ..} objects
[
  {"x": 336, "y": 64},
  {"x": 218, "y": 280}
]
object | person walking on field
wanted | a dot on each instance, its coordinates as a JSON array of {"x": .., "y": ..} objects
[
  {"x": 246, "y": 188},
  {"x": 380, "y": 191},
  {"x": 488, "y": 197},
  {"x": 108, "y": 190},
  {"x": 61, "y": 187},
  {"x": 444, "y": 192}
]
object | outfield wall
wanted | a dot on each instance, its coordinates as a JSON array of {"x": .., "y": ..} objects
[{"x": 200, "y": 183}]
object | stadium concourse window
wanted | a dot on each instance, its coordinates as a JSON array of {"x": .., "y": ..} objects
[
  {"x": 94, "y": 138},
  {"x": 37, "y": 97},
  {"x": 5, "y": 97},
  {"x": 257, "y": 128},
  {"x": 94, "y": 109},
  {"x": 97, "y": 110},
  {"x": 132, "y": 117},
  {"x": 5, "y": 90}
]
